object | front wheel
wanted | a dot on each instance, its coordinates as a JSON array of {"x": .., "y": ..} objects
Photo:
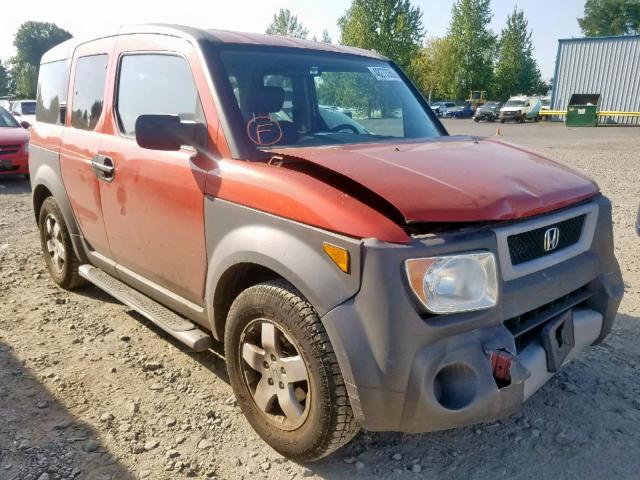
[{"x": 285, "y": 374}]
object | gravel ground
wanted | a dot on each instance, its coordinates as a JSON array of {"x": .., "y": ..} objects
[{"x": 90, "y": 390}]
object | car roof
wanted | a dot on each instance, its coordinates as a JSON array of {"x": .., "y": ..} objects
[{"x": 219, "y": 37}]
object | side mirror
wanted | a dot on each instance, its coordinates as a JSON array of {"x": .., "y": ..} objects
[
  {"x": 16, "y": 113},
  {"x": 169, "y": 133},
  {"x": 26, "y": 125}
]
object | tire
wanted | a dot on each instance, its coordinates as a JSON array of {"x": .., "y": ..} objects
[
  {"x": 502, "y": 120},
  {"x": 326, "y": 421},
  {"x": 55, "y": 241},
  {"x": 476, "y": 119}
]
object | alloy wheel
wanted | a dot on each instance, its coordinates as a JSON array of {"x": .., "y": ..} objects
[
  {"x": 54, "y": 242},
  {"x": 275, "y": 374}
]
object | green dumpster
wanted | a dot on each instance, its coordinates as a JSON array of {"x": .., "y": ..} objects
[{"x": 583, "y": 110}]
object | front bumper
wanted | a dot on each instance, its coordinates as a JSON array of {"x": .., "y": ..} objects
[
  {"x": 517, "y": 116},
  {"x": 413, "y": 372},
  {"x": 14, "y": 164}
]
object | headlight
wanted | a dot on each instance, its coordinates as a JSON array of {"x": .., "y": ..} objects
[{"x": 455, "y": 283}]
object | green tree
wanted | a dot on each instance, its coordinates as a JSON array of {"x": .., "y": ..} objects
[
  {"x": 32, "y": 40},
  {"x": 433, "y": 69},
  {"x": 287, "y": 25},
  {"x": 516, "y": 69},
  {"x": 4, "y": 80},
  {"x": 610, "y": 17},
  {"x": 390, "y": 27},
  {"x": 473, "y": 46},
  {"x": 326, "y": 38}
]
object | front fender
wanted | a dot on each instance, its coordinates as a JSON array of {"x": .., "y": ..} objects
[{"x": 239, "y": 235}]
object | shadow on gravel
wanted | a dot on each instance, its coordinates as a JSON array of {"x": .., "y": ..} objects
[
  {"x": 40, "y": 436},
  {"x": 212, "y": 360},
  {"x": 585, "y": 423},
  {"x": 15, "y": 184}
]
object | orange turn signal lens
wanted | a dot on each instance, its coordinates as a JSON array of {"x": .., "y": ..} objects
[{"x": 339, "y": 255}]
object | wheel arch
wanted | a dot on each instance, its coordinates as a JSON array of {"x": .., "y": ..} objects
[
  {"x": 247, "y": 247},
  {"x": 46, "y": 181}
]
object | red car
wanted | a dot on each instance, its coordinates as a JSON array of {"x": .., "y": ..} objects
[
  {"x": 14, "y": 146},
  {"x": 369, "y": 271}
]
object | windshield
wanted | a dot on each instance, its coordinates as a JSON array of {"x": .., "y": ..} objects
[
  {"x": 316, "y": 99},
  {"x": 28, "y": 108},
  {"x": 514, "y": 103},
  {"x": 7, "y": 120}
]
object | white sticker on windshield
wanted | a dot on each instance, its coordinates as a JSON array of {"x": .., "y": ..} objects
[{"x": 384, "y": 74}]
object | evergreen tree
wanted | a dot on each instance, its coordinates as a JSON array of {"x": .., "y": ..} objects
[
  {"x": 4, "y": 80},
  {"x": 473, "y": 46},
  {"x": 516, "y": 69},
  {"x": 287, "y": 25},
  {"x": 392, "y": 28},
  {"x": 610, "y": 17}
]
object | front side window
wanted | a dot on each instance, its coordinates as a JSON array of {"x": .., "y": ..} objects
[
  {"x": 53, "y": 85},
  {"x": 316, "y": 99},
  {"x": 88, "y": 94},
  {"x": 155, "y": 84}
]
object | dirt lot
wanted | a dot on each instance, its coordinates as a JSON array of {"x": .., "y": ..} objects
[{"x": 89, "y": 390}]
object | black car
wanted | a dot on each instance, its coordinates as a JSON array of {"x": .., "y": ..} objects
[{"x": 488, "y": 111}]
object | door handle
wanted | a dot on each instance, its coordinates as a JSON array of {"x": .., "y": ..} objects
[{"x": 103, "y": 168}]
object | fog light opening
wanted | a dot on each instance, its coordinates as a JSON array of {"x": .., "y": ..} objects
[{"x": 455, "y": 386}]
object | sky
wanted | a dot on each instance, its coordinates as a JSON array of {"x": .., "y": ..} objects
[{"x": 549, "y": 19}]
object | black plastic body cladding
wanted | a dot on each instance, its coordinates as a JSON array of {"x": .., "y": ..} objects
[{"x": 389, "y": 353}]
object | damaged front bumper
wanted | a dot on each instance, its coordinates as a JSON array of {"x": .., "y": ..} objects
[{"x": 414, "y": 372}]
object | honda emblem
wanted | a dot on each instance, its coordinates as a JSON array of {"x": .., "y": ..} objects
[{"x": 551, "y": 239}]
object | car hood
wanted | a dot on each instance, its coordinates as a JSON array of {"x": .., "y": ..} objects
[
  {"x": 455, "y": 179},
  {"x": 511, "y": 109},
  {"x": 13, "y": 136}
]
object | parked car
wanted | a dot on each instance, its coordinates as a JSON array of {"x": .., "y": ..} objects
[
  {"x": 14, "y": 146},
  {"x": 24, "y": 111},
  {"x": 345, "y": 295},
  {"x": 515, "y": 109},
  {"x": 435, "y": 107},
  {"x": 444, "y": 107},
  {"x": 489, "y": 111},
  {"x": 338, "y": 120},
  {"x": 459, "y": 111}
]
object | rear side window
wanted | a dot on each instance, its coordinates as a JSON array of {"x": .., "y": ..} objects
[
  {"x": 53, "y": 85},
  {"x": 88, "y": 91},
  {"x": 155, "y": 84}
]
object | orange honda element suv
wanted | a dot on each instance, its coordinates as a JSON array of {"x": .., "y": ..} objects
[{"x": 300, "y": 202}]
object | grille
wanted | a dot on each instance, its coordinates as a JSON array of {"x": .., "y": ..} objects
[
  {"x": 526, "y": 327},
  {"x": 9, "y": 149},
  {"x": 527, "y": 246}
]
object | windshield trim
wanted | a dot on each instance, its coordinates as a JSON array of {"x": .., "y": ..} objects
[{"x": 231, "y": 118}]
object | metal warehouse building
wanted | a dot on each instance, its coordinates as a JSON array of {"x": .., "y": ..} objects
[{"x": 609, "y": 66}]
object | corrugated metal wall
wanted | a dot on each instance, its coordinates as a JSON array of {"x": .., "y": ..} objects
[{"x": 606, "y": 65}]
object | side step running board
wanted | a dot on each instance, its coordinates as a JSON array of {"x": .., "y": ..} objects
[{"x": 169, "y": 321}]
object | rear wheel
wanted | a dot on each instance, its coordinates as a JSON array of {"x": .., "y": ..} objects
[
  {"x": 58, "y": 252},
  {"x": 285, "y": 374}
]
